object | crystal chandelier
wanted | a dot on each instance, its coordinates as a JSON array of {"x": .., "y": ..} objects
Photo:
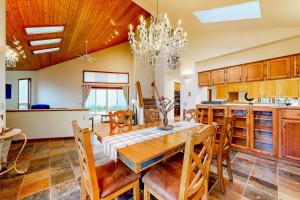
[
  {"x": 158, "y": 41},
  {"x": 11, "y": 58}
]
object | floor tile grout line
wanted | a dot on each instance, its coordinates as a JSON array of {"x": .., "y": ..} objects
[
  {"x": 254, "y": 162},
  {"x": 73, "y": 169},
  {"x": 50, "y": 185},
  {"x": 26, "y": 171},
  {"x": 277, "y": 170}
]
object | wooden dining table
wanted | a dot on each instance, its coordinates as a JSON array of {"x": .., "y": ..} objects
[{"x": 145, "y": 154}]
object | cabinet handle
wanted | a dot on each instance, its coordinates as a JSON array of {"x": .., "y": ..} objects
[{"x": 297, "y": 71}]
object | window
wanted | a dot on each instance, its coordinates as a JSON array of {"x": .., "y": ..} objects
[
  {"x": 104, "y": 100},
  {"x": 24, "y": 96},
  {"x": 105, "y": 77},
  {"x": 241, "y": 11}
]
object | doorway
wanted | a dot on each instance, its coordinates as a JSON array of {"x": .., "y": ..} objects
[{"x": 177, "y": 101}]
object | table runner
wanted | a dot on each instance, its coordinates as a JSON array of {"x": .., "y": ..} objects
[{"x": 111, "y": 144}]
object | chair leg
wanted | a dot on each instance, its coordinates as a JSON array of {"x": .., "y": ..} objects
[
  {"x": 146, "y": 193},
  {"x": 82, "y": 190},
  {"x": 229, "y": 170},
  {"x": 205, "y": 195},
  {"x": 136, "y": 190},
  {"x": 220, "y": 175}
]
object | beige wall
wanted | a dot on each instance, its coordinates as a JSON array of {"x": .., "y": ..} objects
[
  {"x": 60, "y": 85},
  {"x": 2, "y": 50},
  {"x": 227, "y": 48},
  {"x": 144, "y": 74},
  {"x": 12, "y": 78}
]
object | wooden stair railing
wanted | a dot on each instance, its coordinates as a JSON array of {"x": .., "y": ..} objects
[{"x": 140, "y": 94}]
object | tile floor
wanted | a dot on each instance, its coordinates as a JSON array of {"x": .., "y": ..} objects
[{"x": 53, "y": 172}]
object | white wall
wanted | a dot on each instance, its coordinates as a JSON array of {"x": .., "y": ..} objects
[
  {"x": 47, "y": 124},
  {"x": 144, "y": 74},
  {"x": 170, "y": 79},
  {"x": 226, "y": 48},
  {"x": 12, "y": 78},
  {"x": 60, "y": 85},
  {"x": 2, "y": 50}
]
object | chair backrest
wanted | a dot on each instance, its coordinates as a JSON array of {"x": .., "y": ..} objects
[
  {"x": 193, "y": 115},
  {"x": 87, "y": 162},
  {"x": 227, "y": 131},
  {"x": 195, "y": 170},
  {"x": 152, "y": 117},
  {"x": 120, "y": 122}
]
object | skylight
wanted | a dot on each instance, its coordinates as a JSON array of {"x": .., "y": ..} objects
[
  {"x": 44, "y": 30},
  {"x": 44, "y": 42},
  {"x": 242, "y": 11},
  {"x": 46, "y": 50}
]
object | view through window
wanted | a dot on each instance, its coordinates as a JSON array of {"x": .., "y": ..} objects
[
  {"x": 24, "y": 99},
  {"x": 104, "y": 100}
]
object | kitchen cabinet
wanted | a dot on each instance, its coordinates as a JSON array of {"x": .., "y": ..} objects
[
  {"x": 287, "y": 88},
  {"x": 217, "y": 115},
  {"x": 240, "y": 138},
  {"x": 269, "y": 89},
  {"x": 278, "y": 68},
  {"x": 254, "y": 71},
  {"x": 290, "y": 134},
  {"x": 255, "y": 90},
  {"x": 206, "y": 113},
  {"x": 233, "y": 87},
  {"x": 235, "y": 74},
  {"x": 263, "y": 131},
  {"x": 221, "y": 92},
  {"x": 296, "y": 66},
  {"x": 204, "y": 79},
  {"x": 218, "y": 77}
]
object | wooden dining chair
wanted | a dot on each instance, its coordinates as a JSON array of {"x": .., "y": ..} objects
[
  {"x": 193, "y": 115},
  {"x": 152, "y": 117},
  {"x": 104, "y": 182},
  {"x": 222, "y": 150},
  {"x": 187, "y": 179},
  {"x": 120, "y": 122}
]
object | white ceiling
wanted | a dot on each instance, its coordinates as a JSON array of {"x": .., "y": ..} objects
[{"x": 275, "y": 13}]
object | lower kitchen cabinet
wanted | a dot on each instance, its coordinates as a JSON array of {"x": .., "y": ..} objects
[
  {"x": 263, "y": 131},
  {"x": 290, "y": 134},
  {"x": 240, "y": 138}
]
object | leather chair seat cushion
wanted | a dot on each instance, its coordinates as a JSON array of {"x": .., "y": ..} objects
[
  {"x": 114, "y": 176},
  {"x": 164, "y": 179}
]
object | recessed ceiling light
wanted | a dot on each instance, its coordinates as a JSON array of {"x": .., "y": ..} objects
[
  {"x": 44, "y": 42},
  {"x": 248, "y": 10},
  {"x": 40, "y": 51},
  {"x": 44, "y": 30}
]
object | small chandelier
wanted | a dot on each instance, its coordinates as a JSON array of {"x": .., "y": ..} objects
[
  {"x": 11, "y": 58},
  {"x": 158, "y": 41}
]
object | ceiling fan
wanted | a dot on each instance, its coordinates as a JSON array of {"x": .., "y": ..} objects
[{"x": 86, "y": 56}]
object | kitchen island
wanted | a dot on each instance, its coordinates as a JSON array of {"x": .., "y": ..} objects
[{"x": 267, "y": 130}]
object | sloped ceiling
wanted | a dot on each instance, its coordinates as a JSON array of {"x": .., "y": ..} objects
[{"x": 92, "y": 20}]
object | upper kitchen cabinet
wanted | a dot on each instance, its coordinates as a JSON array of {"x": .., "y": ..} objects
[
  {"x": 204, "y": 79},
  {"x": 235, "y": 74},
  {"x": 278, "y": 68},
  {"x": 296, "y": 66},
  {"x": 254, "y": 71},
  {"x": 218, "y": 76}
]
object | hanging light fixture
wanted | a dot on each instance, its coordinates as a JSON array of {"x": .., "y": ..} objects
[
  {"x": 158, "y": 41},
  {"x": 11, "y": 58}
]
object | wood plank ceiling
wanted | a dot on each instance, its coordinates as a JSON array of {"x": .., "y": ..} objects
[{"x": 104, "y": 23}]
